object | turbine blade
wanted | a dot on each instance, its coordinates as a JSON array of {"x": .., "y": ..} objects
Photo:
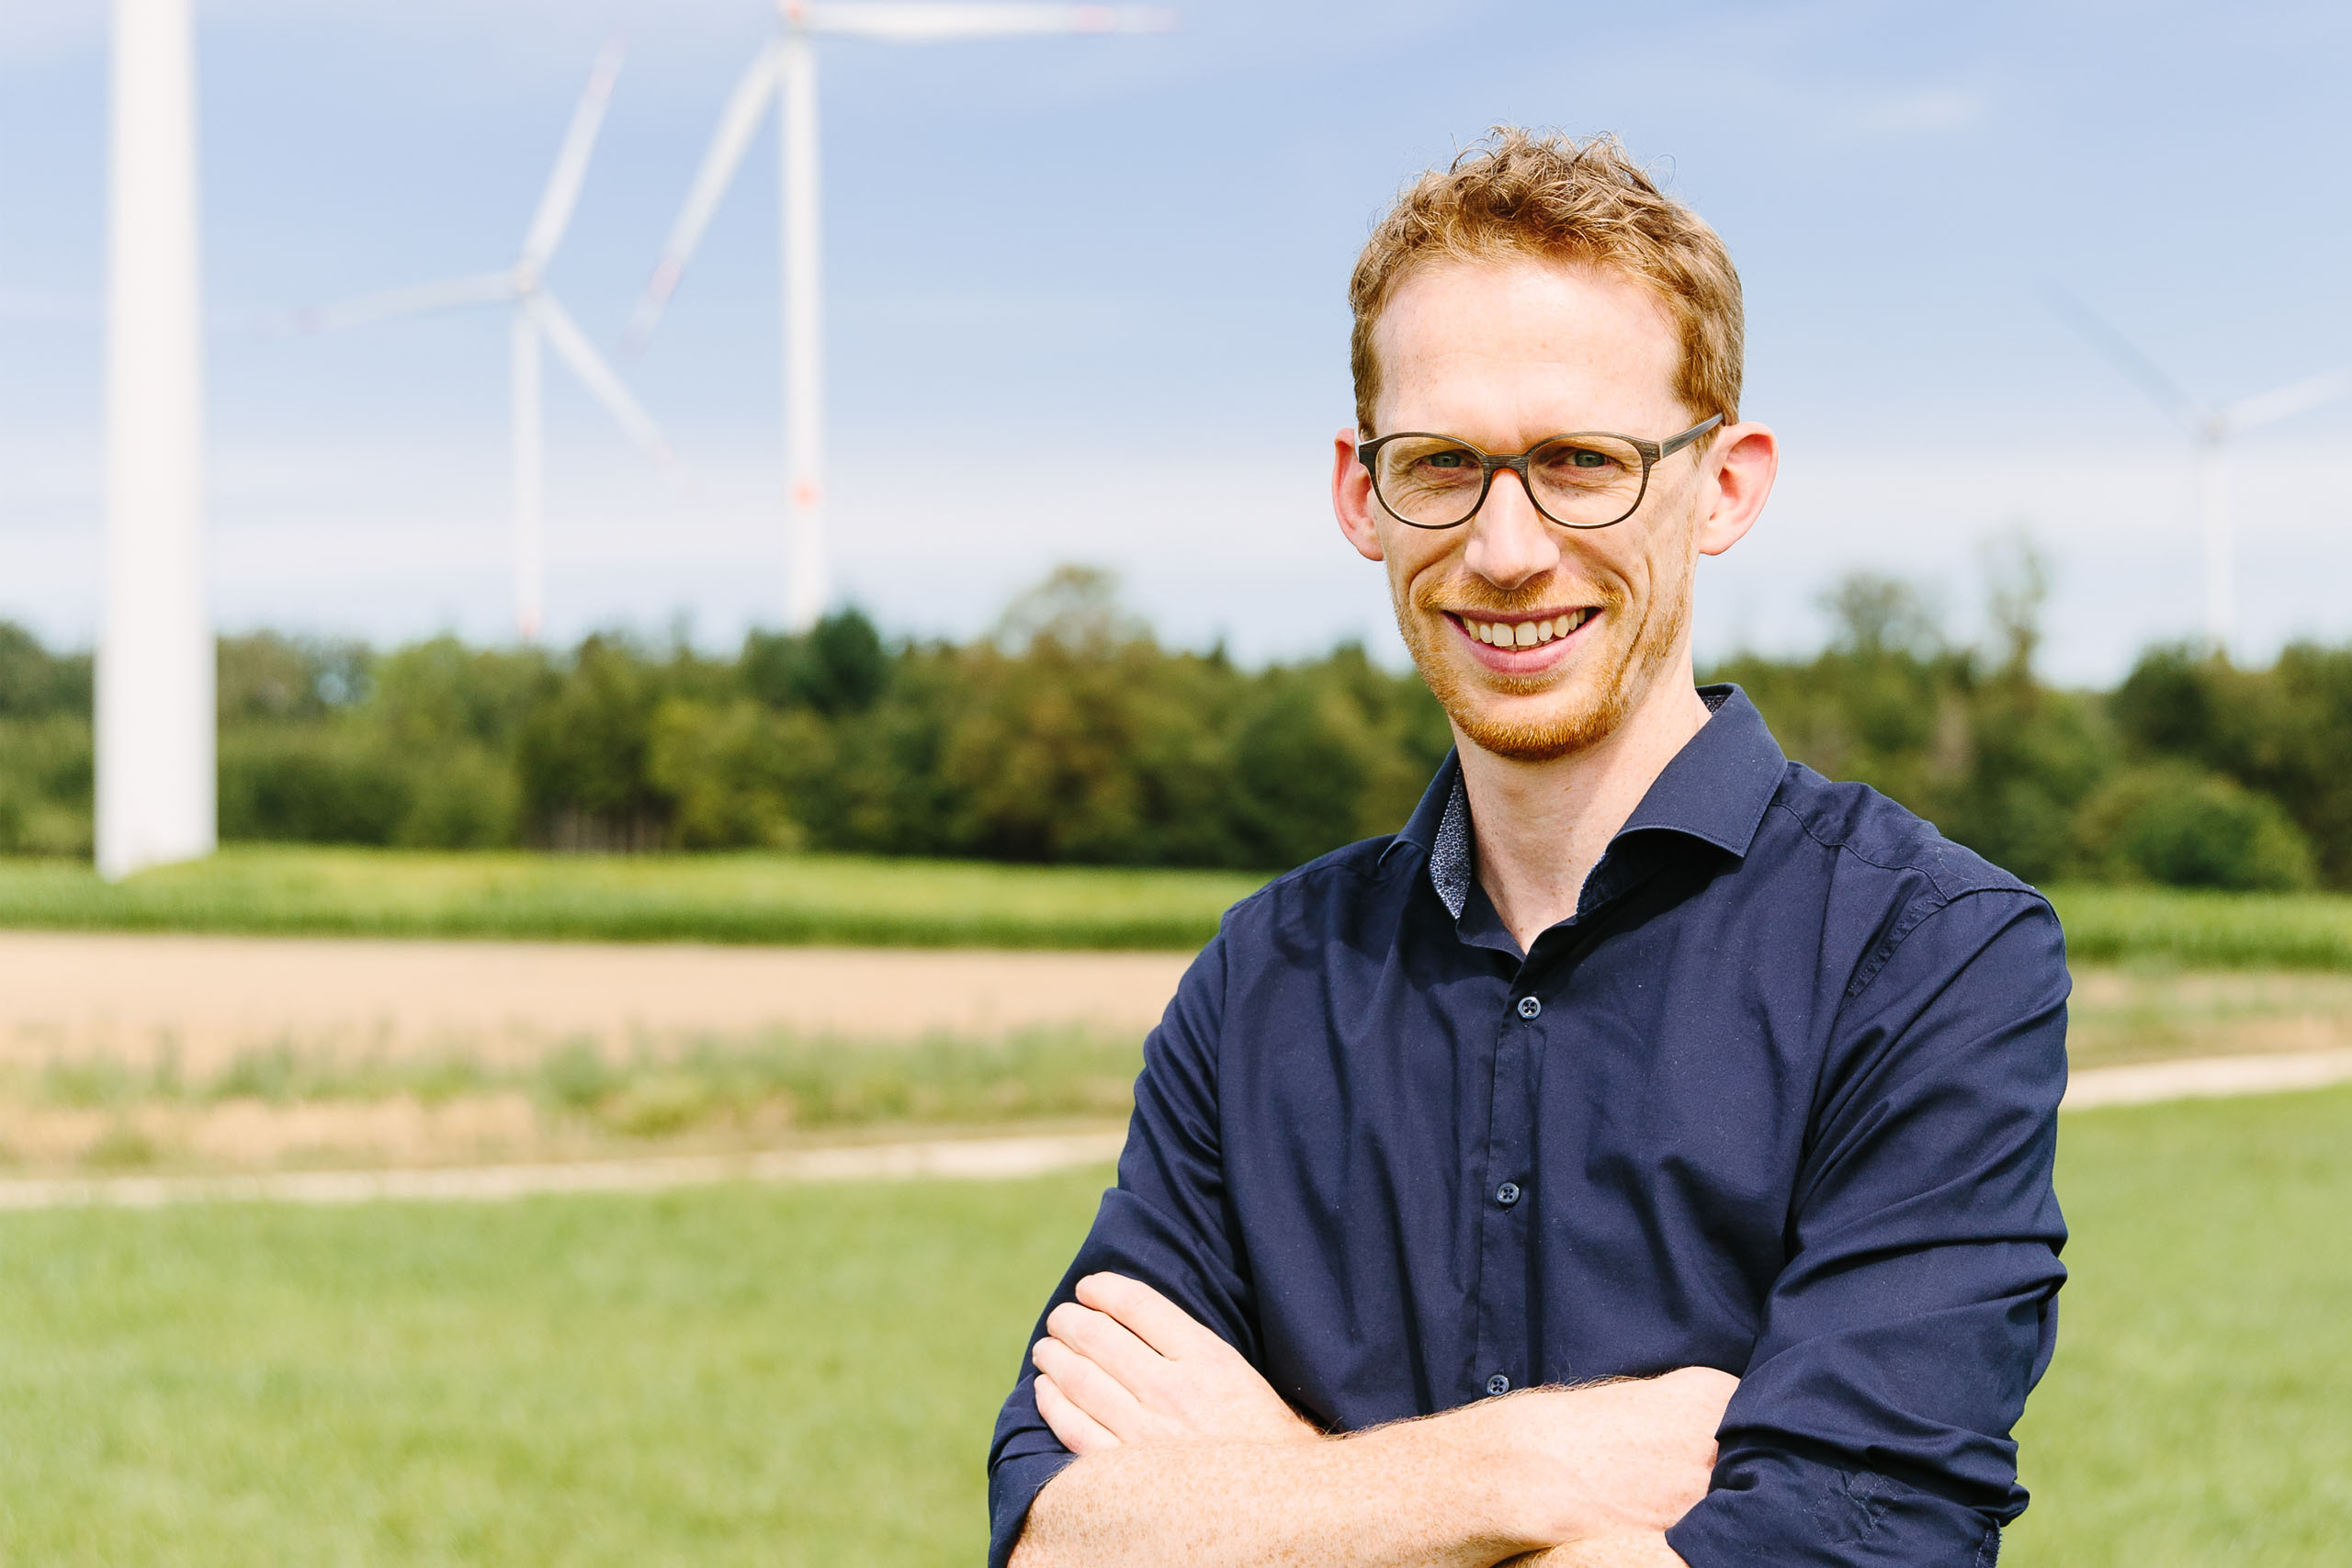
[
  {"x": 563, "y": 335},
  {"x": 572, "y": 164},
  {"x": 737, "y": 122},
  {"x": 918, "y": 23},
  {"x": 483, "y": 288},
  {"x": 2119, "y": 351},
  {"x": 2264, "y": 406}
]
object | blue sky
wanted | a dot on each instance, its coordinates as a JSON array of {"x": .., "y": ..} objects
[{"x": 1055, "y": 267}]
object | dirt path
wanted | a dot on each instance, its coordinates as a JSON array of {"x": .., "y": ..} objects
[
  {"x": 951, "y": 1159},
  {"x": 981, "y": 1159},
  {"x": 2211, "y": 1078},
  {"x": 131, "y": 998}
]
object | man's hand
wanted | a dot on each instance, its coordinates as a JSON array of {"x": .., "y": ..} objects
[
  {"x": 1189, "y": 1455},
  {"x": 1123, "y": 1364},
  {"x": 1610, "y": 1458}
]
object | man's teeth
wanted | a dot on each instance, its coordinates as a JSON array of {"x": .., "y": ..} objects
[{"x": 1525, "y": 634}]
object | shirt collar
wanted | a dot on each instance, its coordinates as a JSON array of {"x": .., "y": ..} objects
[
  {"x": 1715, "y": 789},
  {"x": 1717, "y": 786}
]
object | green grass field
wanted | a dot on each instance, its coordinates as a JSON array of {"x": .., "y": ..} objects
[
  {"x": 732, "y": 1376},
  {"x": 807, "y": 1376},
  {"x": 2195, "y": 1415},
  {"x": 834, "y": 898}
]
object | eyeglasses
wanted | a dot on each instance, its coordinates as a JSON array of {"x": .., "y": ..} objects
[{"x": 1589, "y": 479}]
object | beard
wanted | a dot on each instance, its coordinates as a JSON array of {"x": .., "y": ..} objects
[{"x": 1588, "y": 701}]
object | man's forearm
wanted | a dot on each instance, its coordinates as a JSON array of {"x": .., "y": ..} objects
[
  {"x": 1434, "y": 1492},
  {"x": 1645, "y": 1549}
]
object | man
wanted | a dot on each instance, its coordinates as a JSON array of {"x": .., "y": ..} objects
[{"x": 1642, "y": 1158}]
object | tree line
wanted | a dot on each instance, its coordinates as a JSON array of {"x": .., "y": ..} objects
[{"x": 1069, "y": 734}]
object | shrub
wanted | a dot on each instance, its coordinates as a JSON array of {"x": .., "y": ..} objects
[
  {"x": 45, "y": 782},
  {"x": 2175, "y": 825},
  {"x": 324, "y": 785}
]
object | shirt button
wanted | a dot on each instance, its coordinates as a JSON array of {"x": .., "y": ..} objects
[
  {"x": 1499, "y": 1384},
  {"x": 1529, "y": 1008},
  {"x": 1507, "y": 1194}
]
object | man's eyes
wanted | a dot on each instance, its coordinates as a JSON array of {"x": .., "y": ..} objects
[{"x": 1583, "y": 458}]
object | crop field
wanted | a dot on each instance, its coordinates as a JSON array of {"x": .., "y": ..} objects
[
  {"x": 2207, "y": 931},
  {"x": 807, "y": 1375},
  {"x": 711, "y": 899},
  {"x": 748, "y": 898}
]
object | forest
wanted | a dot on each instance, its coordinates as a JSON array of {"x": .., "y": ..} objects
[{"x": 1069, "y": 734}]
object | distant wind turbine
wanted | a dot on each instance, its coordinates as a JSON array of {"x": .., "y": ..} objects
[
  {"x": 537, "y": 315},
  {"x": 2213, "y": 430},
  {"x": 787, "y": 66}
]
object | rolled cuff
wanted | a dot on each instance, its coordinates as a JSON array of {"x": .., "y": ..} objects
[
  {"x": 1013, "y": 1485},
  {"x": 1781, "y": 1509}
]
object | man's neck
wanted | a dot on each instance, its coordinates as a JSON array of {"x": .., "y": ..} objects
[{"x": 1540, "y": 828}]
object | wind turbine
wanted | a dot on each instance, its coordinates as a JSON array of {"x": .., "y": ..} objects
[
  {"x": 155, "y": 782},
  {"x": 787, "y": 66},
  {"x": 537, "y": 316},
  {"x": 2213, "y": 429}
]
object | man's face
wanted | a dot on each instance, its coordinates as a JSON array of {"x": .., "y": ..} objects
[{"x": 1502, "y": 354}]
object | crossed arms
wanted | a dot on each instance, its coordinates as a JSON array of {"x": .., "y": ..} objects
[
  {"x": 1870, "y": 1422},
  {"x": 1187, "y": 1454}
]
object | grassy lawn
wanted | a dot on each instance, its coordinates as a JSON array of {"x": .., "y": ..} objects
[
  {"x": 2195, "y": 1415},
  {"x": 807, "y": 1376},
  {"x": 277, "y": 889},
  {"x": 732, "y": 1376},
  {"x": 719, "y": 898}
]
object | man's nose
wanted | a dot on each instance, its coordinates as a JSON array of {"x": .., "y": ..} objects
[{"x": 1509, "y": 541}]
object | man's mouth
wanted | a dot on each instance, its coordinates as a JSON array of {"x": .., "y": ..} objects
[{"x": 1522, "y": 631}]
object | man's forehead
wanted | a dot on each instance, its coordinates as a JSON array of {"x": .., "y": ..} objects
[{"x": 1511, "y": 329}]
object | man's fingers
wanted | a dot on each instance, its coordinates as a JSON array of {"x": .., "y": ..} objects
[
  {"x": 1093, "y": 1390},
  {"x": 1080, "y": 1433},
  {"x": 1103, "y": 1340},
  {"x": 1154, "y": 1319}
]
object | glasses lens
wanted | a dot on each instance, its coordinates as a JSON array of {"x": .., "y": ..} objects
[
  {"x": 1586, "y": 480},
  {"x": 1428, "y": 480}
]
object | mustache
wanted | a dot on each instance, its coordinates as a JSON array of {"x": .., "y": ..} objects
[{"x": 1472, "y": 595}]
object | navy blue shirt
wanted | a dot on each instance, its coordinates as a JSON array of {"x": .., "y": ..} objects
[{"x": 1780, "y": 1099}]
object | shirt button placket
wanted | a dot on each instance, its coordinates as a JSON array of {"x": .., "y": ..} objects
[{"x": 1502, "y": 1312}]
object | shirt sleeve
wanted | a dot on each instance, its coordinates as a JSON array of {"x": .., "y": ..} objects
[
  {"x": 1918, "y": 1303},
  {"x": 1165, "y": 1223}
]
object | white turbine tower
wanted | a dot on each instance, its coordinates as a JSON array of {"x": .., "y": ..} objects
[
  {"x": 155, "y": 780},
  {"x": 537, "y": 315},
  {"x": 2213, "y": 430},
  {"x": 787, "y": 66}
]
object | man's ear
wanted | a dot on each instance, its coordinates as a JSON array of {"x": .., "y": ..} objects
[
  {"x": 1352, "y": 499},
  {"x": 1744, "y": 459}
]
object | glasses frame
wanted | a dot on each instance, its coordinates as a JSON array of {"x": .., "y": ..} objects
[{"x": 1652, "y": 453}]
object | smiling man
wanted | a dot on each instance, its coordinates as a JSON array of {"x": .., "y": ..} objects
[{"x": 1643, "y": 1157}]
